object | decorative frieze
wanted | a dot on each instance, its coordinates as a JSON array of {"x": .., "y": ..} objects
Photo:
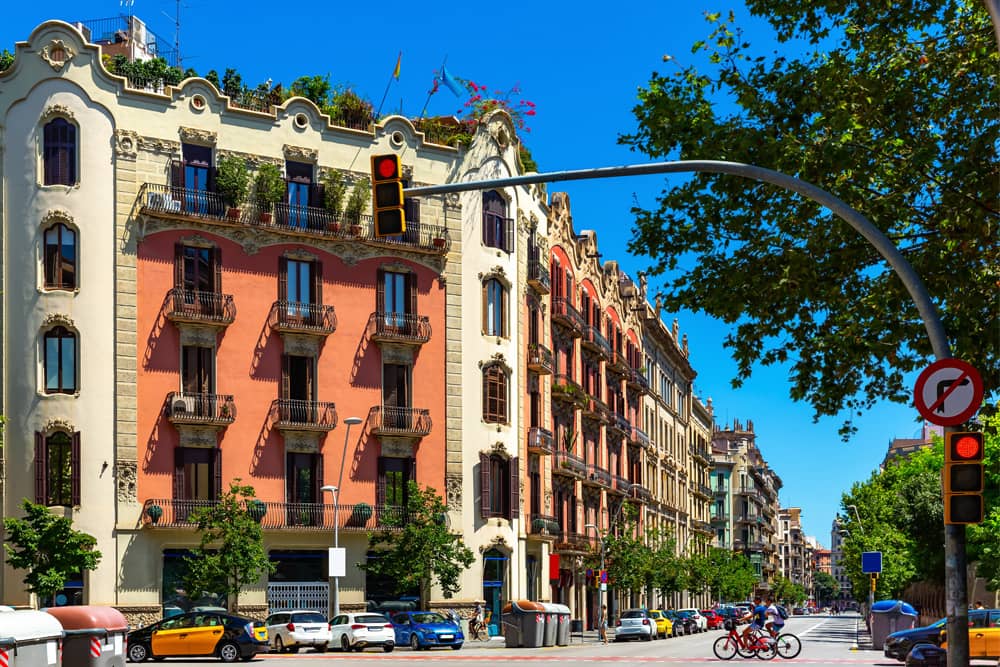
[
  {"x": 399, "y": 448},
  {"x": 55, "y": 215},
  {"x": 453, "y": 490},
  {"x": 162, "y": 146},
  {"x": 303, "y": 442},
  {"x": 197, "y": 335},
  {"x": 57, "y": 53},
  {"x": 126, "y": 144},
  {"x": 57, "y": 111},
  {"x": 58, "y": 424},
  {"x": 299, "y": 345},
  {"x": 58, "y": 319},
  {"x": 125, "y": 481},
  {"x": 300, "y": 153},
  {"x": 194, "y": 135}
]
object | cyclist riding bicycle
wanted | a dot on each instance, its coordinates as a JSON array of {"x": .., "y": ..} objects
[
  {"x": 775, "y": 623},
  {"x": 757, "y": 618}
]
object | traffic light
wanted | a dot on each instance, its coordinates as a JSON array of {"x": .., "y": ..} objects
[
  {"x": 387, "y": 195},
  {"x": 963, "y": 478}
]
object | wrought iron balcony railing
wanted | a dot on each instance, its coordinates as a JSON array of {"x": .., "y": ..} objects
[
  {"x": 565, "y": 388},
  {"x": 639, "y": 437},
  {"x": 618, "y": 363},
  {"x": 621, "y": 484},
  {"x": 567, "y": 463},
  {"x": 539, "y": 359},
  {"x": 640, "y": 494},
  {"x": 314, "y": 319},
  {"x": 566, "y": 315},
  {"x": 543, "y": 525},
  {"x": 598, "y": 475},
  {"x": 539, "y": 440},
  {"x": 200, "y": 307},
  {"x": 573, "y": 542},
  {"x": 405, "y": 328},
  {"x": 400, "y": 421},
  {"x": 593, "y": 340},
  {"x": 204, "y": 409},
  {"x": 620, "y": 425},
  {"x": 361, "y": 517},
  {"x": 596, "y": 409},
  {"x": 538, "y": 276},
  {"x": 637, "y": 381},
  {"x": 298, "y": 415}
]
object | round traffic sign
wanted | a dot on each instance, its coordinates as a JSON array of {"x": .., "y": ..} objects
[{"x": 948, "y": 392}]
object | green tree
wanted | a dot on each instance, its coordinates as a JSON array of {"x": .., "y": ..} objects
[
  {"x": 670, "y": 571},
  {"x": 315, "y": 88},
  {"x": 6, "y": 59},
  {"x": 883, "y": 107},
  {"x": 48, "y": 548},
  {"x": 629, "y": 560},
  {"x": 732, "y": 575},
  {"x": 231, "y": 552},
  {"x": 422, "y": 550},
  {"x": 825, "y": 586}
]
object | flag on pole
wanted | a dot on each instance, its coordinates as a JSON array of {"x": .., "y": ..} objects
[
  {"x": 450, "y": 82},
  {"x": 399, "y": 61}
]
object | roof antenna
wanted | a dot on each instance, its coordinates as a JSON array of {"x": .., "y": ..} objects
[{"x": 177, "y": 33}]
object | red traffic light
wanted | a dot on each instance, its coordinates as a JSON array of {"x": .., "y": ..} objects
[
  {"x": 385, "y": 167},
  {"x": 964, "y": 447}
]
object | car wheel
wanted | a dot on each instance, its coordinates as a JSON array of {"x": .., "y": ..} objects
[
  {"x": 229, "y": 652},
  {"x": 648, "y": 638},
  {"x": 345, "y": 644},
  {"x": 279, "y": 646},
  {"x": 388, "y": 648},
  {"x": 138, "y": 652},
  {"x": 455, "y": 647},
  {"x": 414, "y": 643},
  {"x": 320, "y": 648}
]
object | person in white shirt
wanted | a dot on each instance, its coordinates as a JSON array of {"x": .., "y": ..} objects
[{"x": 775, "y": 623}]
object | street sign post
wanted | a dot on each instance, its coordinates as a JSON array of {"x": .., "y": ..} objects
[{"x": 871, "y": 562}]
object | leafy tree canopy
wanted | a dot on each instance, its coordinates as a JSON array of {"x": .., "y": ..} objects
[
  {"x": 732, "y": 576},
  {"x": 826, "y": 587},
  {"x": 48, "y": 548},
  {"x": 422, "y": 550},
  {"x": 883, "y": 106}
]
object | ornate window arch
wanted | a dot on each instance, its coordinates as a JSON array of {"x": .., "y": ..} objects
[
  {"x": 60, "y": 256},
  {"x": 60, "y": 151},
  {"x": 496, "y": 293},
  {"x": 57, "y": 467}
]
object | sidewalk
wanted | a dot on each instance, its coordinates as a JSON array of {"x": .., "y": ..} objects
[
  {"x": 863, "y": 637},
  {"x": 588, "y": 637}
]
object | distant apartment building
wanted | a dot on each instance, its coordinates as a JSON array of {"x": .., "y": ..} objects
[
  {"x": 794, "y": 549},
  {"x": 900, "y": 447},
  {"x": 837, "y": 568}
]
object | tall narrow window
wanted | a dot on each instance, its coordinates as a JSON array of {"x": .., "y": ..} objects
[
  {"x": 396, "y": 396},
  {"x": 298, "y": 390},
  {"x": 197, "y": 473},
  {"x": 299, "y": 187},
  {"x": 494, "y": 308},
  {"x": 495, "y": 394},
  {"x": 59, "y": 152},
  {"x": 198, "y": 274},
  {"x": 60, "y": 361},
  {"x": 303, "y": 478},
  {"x": 391, "y": 493},
  {"x": 57, "y": 469},
  {"x": 300, "y": 285},
  {"x": 60, "y": 257},
  {"x": 499, "y": 486},
  {"x": 193, "y": 179},
  {"x": 396, "y": 300},
  {"x": 496, "y": 225},
  {"x": 198, "y": 380}
]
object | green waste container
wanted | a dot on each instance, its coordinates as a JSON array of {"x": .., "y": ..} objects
[
  {"x": 95, "y": 635},
  {"x": 30, "y": 638}
]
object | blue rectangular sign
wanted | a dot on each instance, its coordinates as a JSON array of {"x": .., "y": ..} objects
[{"x": 871, "y": 562}]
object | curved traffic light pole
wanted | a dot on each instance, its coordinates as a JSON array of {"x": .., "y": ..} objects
[{"x": 955, "y": 559}]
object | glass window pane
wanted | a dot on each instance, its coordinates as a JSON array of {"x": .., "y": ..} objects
[
  {"x": 52, "y": 363},
  {"x": 68, "y": 362}
]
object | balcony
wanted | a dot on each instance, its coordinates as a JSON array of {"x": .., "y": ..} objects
[
  {"x": 701, "y": 453},
  {"x": 640, "y": 494},
  {"x": 574, "y": 543},
  {"x": 596, "y": 410},
  {"x": 200, "y": 307},
  {"x": 719, "y": 516},
  {"x": 618, "y": 363},
  {"x": 637, "y": 381},
  {"x": 595, "y": 342},
  {"x": 701, "y": 526},
  {"x": 565, "y": 388},
  {"x": 598, "y": 476},
  {"x": 745, "y": 491},
  {"x": 543, "y": 526},
  {"x": 621, "y": 484},
  {"x": 639, "y": 438},
  {"x": 538, "y": 276},
  {"x": 187, "y": 205},
  {"x": 403, "y": 328},
  {"x": 539, "y": 359},
  {"x": 360, "y": 518},
  {"x": 539, "y": 440},
  {"x": 296, "y": 415},
  {"x": 619, "y": 425},
  {"x": 702, "y": 490},
  {"x": 200, "y": 409},
  {"x": 721, "y": 491},
  {"x": 567, "y": 316},
  {"x": 386, "y": 420},
  {"x": 566, "y": 463},
  {"x": 310, "y": 319}
]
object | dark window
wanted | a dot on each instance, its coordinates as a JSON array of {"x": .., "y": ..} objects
[
  {"x": 535, "y": 480},
  {"x": 298, "y": 378},
  {"x": 57, "y": 469},
  {"x": 396, "y": 386},
  {"x": 499, "y": 486},
  {"x": 303, "y": 477},
  {"x": 197, "y": 473},
  {"x": 198, "y": 269},
  {"x": 494, "y": 308},
  {"x": 59, "y": 152},
  {"x": 497, "y": 227},
  {"x": 60, "y": 257},
  {"x": 60, "y": 361},
  {"x": 534, "y": 324},
  {"x": 495, "y": 394},
  {"x": 197, "y": 370},
  {"x": 299, "y": 187},
  {"x": 391, "y": 492}
]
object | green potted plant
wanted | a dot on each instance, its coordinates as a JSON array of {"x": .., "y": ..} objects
[
  {"x": 360, "y": 515},
  {"x": 232, "y": 180},
  {"x": 357, "y": 201},
  {"x": 270, "y": 190},
  {"x": 154, "y": 512},
  {"x": 334, "y": 194},
  {"x": 256, "y": 508}
]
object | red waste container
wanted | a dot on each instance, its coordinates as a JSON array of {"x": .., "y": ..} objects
[{"x": 94, "y": 636}]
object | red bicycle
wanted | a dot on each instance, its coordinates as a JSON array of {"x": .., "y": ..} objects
[{"x": 726, "y": 647}]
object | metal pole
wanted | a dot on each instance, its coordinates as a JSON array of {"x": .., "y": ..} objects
[{"x": 335, "y": 490}]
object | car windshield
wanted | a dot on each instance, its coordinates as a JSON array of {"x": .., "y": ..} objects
[
  {"x": 634, "y": 613},
  {"x": 308, "y": 617},
  {"x": 654, "y": 614},
  {"x": 371, "y": 618},
  {"x": 429, "y": 617}
]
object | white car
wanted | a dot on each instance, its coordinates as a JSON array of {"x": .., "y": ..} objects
[
  {"x": 355, "y": 632},
  {"x": 696, "y": 615},
  {"x": 636, "y": 623},
  {"x": 291, "y": 630}
]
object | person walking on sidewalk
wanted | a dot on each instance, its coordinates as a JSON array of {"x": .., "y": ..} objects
[{"x": 602, "y": 624}]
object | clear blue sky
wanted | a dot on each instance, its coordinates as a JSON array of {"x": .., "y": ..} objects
[{"x": 581, "y": 65}]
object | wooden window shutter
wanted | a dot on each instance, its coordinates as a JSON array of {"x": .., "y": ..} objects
[
  {"x": 289, "y": 477},
  {"x": 411, "y": 294},
  {"x": 178, "y": 265},
  {"x": 317, "y": 270},
  {"x": 486, "y": 304},
  {"x": 211, "y": 179},
  {"x": 40, "y": 469},
  {"x": 285, "y": 383},
  {"x": 380, "y": 484},
  {"x": 179, "y": 473},
  {"x": 318, "y": 475},
  {"x": 316, "y": 195},
  {"x": 509, "y": 227},
  {"x": 177, "y": 173},
  {"x": 380, "y": 291},
  {"x": 502, "y": 396},
  {"x": 484, "y": 484},
  {"x": 217, "y": 264},
  {"x": 282, "y": 279},
  {"x": 74, "y": 462},
  {"x": 515, "y": 489},
  {"x": 486, "y": 394},
  {"x": 217, "y": 458}
]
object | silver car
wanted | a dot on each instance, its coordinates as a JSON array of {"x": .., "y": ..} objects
[
  {"x": 637, "y": 624},
  {"x": 291, "y": 630}
]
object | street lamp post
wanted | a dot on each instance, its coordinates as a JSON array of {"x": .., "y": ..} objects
[
  {"x": 333, "y": 608},
  {"x": 602, "y": 587}
]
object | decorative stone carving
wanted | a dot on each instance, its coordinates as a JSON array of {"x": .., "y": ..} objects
[
  {"x": 497, "y": 358},
  {"x": 197, "y": 240},
  {"x": 126, "y": 144},
  {"x": 55, "y": 215},
  {"x": 197, "y": 436},
  {"x": 197, "y": 335},
  {"x": 399, "y": 448},
  {"x": 305, "y": 442},
  {"x": 393, "y": 353},
  {"x": 57, "y": 53},
  {"x": 395, "y": 267},
  {"x": 300, "y": 154},
  {"x": 58, "y": 424},
  {"x": 58, "y": 319},
  {"x": 300, "y": 255},
  {"x": 453, "y": 490},
  {"x": 194, "y": 135},
  {"x": 125, "y": 481},
  {"x": 57, "y": 110},
  {"x": 299, "y": 345},
  {"x": 156, "y": 145},
  {"x": 498, "y": 542}
]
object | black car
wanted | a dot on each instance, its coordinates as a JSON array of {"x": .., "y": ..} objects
[
  {"x": 898, "y": 644},
  {"x": 927, "y": 655},
  {"x": 198, "y": 633},
  {"x": 683, "y": 624}
]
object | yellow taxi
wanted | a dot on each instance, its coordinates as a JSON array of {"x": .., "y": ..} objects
[
  {"x": 224, "y": 636},
  {"x": 664, "y": 626}
]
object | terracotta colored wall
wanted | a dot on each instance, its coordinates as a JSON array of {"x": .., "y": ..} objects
[{"x": 248, "y": 366}]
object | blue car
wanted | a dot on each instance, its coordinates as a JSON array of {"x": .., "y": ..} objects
[{"x": 426, "y": 629}]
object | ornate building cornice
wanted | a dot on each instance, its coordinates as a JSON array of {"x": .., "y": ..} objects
[{"x": 194, "y": 135}]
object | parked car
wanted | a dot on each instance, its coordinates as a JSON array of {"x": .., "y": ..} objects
[
  {"x": 637, "y": 624},
  {"x": 683, "y": 625},
  {"x": 292, "y": 630},
  {"x": 426, "y": 629},
  {"x": 712, "y": 619},
  {"x": 701, "y": 621},
  {"x": 898, "y": 644},
  {"x": 356, "y": 632},
  {"x": 198, "y": 634},
  {"x": 927, "y": 655},
  {"x": 984, "y": 634},
  {"x": 690, "y": 624},
  {"x": 664, "y": 626}
]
